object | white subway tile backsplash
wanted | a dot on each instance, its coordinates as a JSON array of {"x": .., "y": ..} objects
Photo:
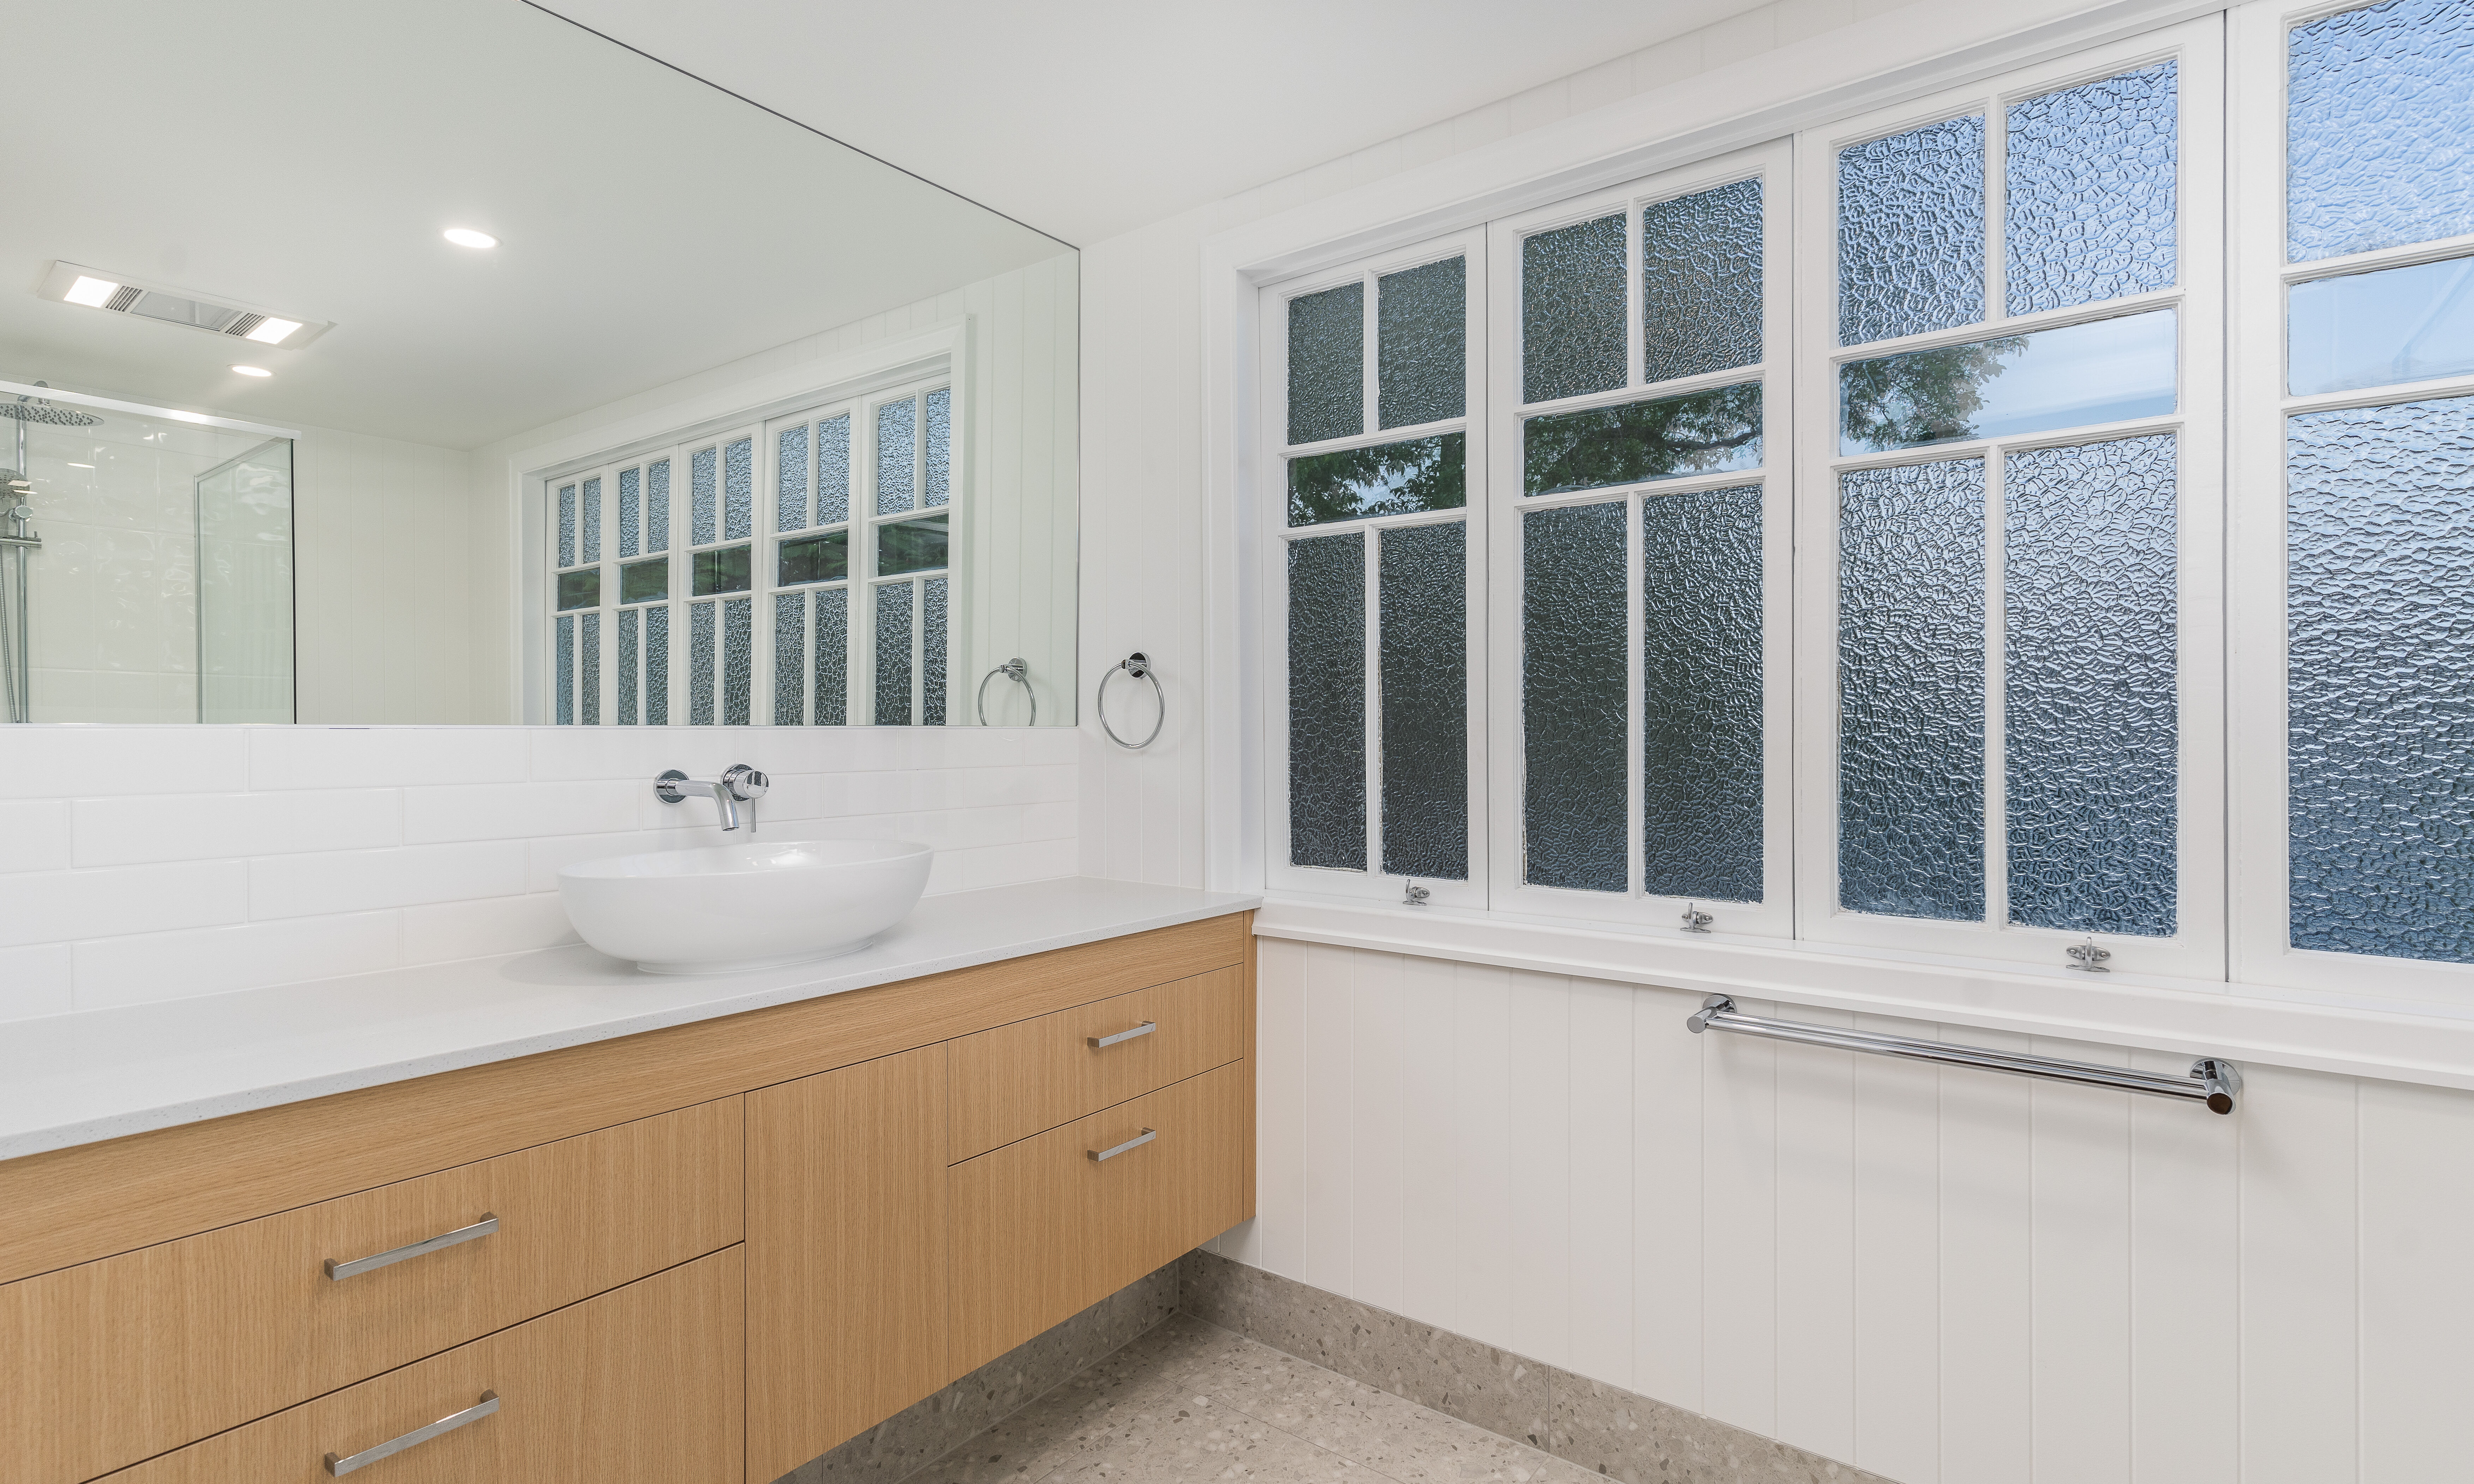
[
  {"x": 476, "y": 930},
  {"x": 66, "y": 761},
  {"x": 56, "y": 906},
  {"x": 383, "y": 756},
  {"x": 34, "y": 835},
  {"x": 327, "y": 883},
  {"x": 510, "y": 811},
  {"x": 149, "y": 967},
  {"x": 204, "y": 827},
  {"x": 35, "y": 981}
]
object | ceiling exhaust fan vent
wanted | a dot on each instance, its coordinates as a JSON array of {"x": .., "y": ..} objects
[{"x": 87, "y": 287}]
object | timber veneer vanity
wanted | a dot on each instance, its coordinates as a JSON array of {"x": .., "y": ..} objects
[{"x": 700, "y": 1253}]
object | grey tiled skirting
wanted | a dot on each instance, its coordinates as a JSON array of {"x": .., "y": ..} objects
[{"x": 1610, "y": 1431}]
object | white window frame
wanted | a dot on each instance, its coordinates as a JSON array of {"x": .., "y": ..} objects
[
  {"x": 2263, "y": 950},
  {"x": 2196, "y": 949},
  {"x": 1374, "y": 884},
  {"x": 1773, "y": 917}
]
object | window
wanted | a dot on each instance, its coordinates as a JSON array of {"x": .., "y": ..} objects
[{"x": 792, "y": 570}]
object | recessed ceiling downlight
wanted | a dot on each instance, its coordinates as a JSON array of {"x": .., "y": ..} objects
[
  {"x": 253, "y": 371},
  {"x": 466, "y": 237}
]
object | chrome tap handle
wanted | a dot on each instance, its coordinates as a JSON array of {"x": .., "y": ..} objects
[{"x": 745, "y": 784}]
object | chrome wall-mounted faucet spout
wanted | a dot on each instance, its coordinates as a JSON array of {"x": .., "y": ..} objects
[{"x": 738, "y": 784}]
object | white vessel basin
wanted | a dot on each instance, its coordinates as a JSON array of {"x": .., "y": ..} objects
[{"x": 729, "y": 907}]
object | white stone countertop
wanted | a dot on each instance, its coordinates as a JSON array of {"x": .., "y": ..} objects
[{"x": 91, "y": 1075}]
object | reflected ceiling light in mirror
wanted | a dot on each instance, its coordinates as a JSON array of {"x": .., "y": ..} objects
[
  {"x": 466, "y": 237},
  {"x": 93, "y": 293},
  {"x": 253, "y": 371}
]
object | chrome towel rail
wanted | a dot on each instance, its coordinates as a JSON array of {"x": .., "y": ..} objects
[
  {"x": 1138, "y": 665},
  {"x": 2211, "y": 1080}
]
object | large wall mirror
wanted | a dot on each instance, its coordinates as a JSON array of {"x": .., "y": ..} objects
[{"x": 453, "y": 363}]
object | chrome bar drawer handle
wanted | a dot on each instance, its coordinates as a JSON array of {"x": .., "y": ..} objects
[
  {"x": 339, "y": 1467},
  {"x": 1144, "y": 1029},
  {"x": 1135, "y": 1142},
  {"x": 482, "y": 1227}
]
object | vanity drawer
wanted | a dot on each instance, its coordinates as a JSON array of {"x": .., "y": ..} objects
[
  {"x": 1042, "y": 1229},
  {"x": 639, "y": 1386},
  {"x": 1016, "y": 1080},
  {"x": 117, "y": 1360}
]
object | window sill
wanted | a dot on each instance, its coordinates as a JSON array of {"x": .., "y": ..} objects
[{"x": 2248, "y": 1023}]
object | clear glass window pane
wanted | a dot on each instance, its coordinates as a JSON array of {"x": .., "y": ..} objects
[
  {"x": 2379, "y": 621},
  {"x": 725, "y": 571},
  {"x": 897, "y": 451},
  {"x": 589, "y": 668},
  {"x": 1327, "y": 702},
  {"x": 1387, "y": 479},
  {"x": 893, "y": 601},
  {"x": 657, "y": 505},
  {"x": 1701, "y": 694},
  {"x": 813, "y": 559},
  {"x": 592, "y": 518},
  {"x": 2380, "y": 129},
  {"x": 631, "y": 512},
  {"x": 790, "y": 479},
  {"x": 1422, "y": 343},
  {"x": 703, "y": 495},
  {"x": 700, "y": 637},
  {"x": 566, "y": 525},
  {"x": 2377, "y": 330},
  {"x": 1424, "y": 661},
  {"x": 832, "y": 685},
  {"x": 2089, "y": 708},
  {"x": 657, "y": 666},
  {"x": 1703, "y": 433},
  {"x": 1574, "y": 790},
  {"x": 566, "y": 668},
  {"x": 1327, "y": 364},
  {"x": 645, "y": 582},
  {"x": 932, "y": 651},
  {"x": 2089, "y": 182},
  {"x": 1701, "y": 282},
  {"x": 910, "y": 546},
  {"x": 833, "y": 469},
  {"x": 936, "y": 449},
  {"x": 1572, "y": 310},
  {"x": 2109, "y": 371},
  {"x": 579, "y": 589},
  {"x": 737, "y": 659},
  {"x": 630, "y": 663},
  {"x": 1911, "y": 690},
  {"x": 1911, "y": 232},
  {"x": 789, "y": 658}
]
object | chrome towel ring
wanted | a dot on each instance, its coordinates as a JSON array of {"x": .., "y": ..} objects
[
  {"x": 1018, "y": 670},
  {"x": 1139, "y": 666}
]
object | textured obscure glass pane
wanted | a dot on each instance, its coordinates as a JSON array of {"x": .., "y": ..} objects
[
  {"x": 2089, "y": 187},
  {"x": 1701, "y": 282},
  {"x": 2380, "y": 720},
  {"x": 1424, "y": 655},
  {"x": 1701, "y": 694},
  {"x": 703, "y": 495},
  {"x": 897, "y": 448},
  {"x": 1327, "y": 702},
  {"x": 657, "y": 666},
  {"x": 566, "y": 525},
  {"x": 657, "y": 505},
  {"x": 790, "y": 479},
  {"x": 1572, "y": 686},
  {"x": 910, "y": 546},
  {"x": 1911, "y": 690},
  {"x": 833, "y": 469},
  {"x": 893, "y": 654},
  {"x": 1387, "y": 479},
  {"x": 579, "y": 589},
  {"x": 2377, "y": 330},
  {"x": 700, "y": 664},
  {"x": 932, "y": 653},
  {"x": 1572, "y": 310},
  {"x": 1700, "y": 434},
  {"x": 2088, "y": 685},
  {"x": 1422, "y": 343},
  {"x": 592, "y": 520},
  {"x": 813, "y": 559},
  {"x": 631, "y": 512},
  {"x": 737, "y": 659},
  {"x": 630, "y": 663},
  {"x": 936, "y": 449},
  {"x": 739, "y": 491},
  {"x": 2107, "y": 371},
  {"x": 789, "y": 658},
  {"x": 643, "y": 582},
  {"x": 566, "y": 672},
  {"x": 719, "y": 571},
  {"x": 833, "y": 657},
  {"x": 1911, "y": 232},
  {"x": 2379, "y": 128},
  {"x": 588, "y": 662},
  {"x": 1327, "y": 364}
]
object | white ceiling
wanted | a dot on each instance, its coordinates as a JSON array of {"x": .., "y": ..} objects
[
  {"x": 302, "y": 155},
  {"x": 1086, "y": 118}
]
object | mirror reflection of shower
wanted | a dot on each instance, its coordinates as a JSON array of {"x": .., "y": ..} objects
[{"x": 145, "y": 563}]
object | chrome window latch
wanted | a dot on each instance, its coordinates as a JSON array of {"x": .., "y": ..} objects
[
  {"x": 1696, "y": 920},
  {"x": 1415, "y": 896},
  {"x": 2089, "y": 958}
]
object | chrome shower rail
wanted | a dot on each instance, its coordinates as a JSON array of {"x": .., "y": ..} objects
[{"x": 2211, "y": 1080}]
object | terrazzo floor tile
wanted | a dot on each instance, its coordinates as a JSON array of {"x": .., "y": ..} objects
[{"x": 1189, "y": 1402}]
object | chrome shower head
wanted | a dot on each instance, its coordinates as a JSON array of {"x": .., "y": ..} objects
[{"x": 32, "y": 409}]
